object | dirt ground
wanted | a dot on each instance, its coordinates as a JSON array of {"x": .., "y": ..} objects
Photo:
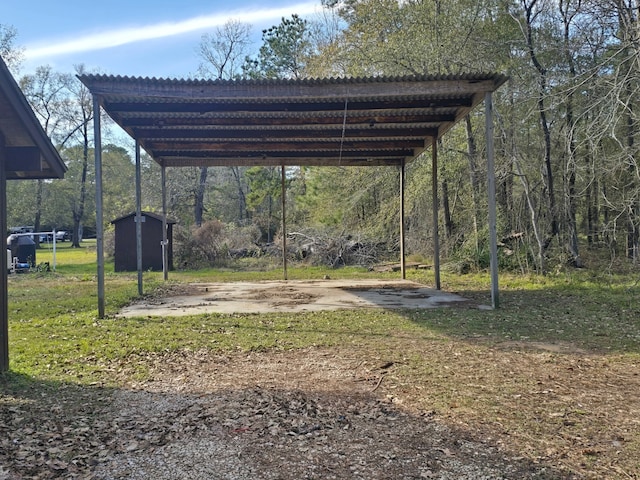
[
  {"x": 310, "y": 414},
  {"x": 315, "y": 413},
  {"x": 290, "y": 296}
]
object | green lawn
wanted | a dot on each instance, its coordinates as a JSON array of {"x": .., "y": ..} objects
[{"x": 54, "y": 327}]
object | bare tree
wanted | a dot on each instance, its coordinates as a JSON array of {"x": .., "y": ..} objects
[
  {"x": 569, "y": 10},
  {"x": 46, "y": 92},
  {"x": 10, "y": 53},
  {"x": 531, "y": 11},
  {"x": 222, "y": 53},
  {"x": 78, "y": 115}
]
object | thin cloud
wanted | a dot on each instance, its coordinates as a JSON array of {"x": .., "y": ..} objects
[{"x": 124, "y": 36}]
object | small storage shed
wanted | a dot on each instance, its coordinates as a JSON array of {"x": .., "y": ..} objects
[{"x": 125, "y": 242}]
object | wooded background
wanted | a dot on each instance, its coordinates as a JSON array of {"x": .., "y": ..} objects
[{"x": 566, "y": 125}]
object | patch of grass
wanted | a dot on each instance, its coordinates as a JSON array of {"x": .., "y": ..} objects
[
  {"x": 54, "y": 327},
  {"x": 72, "y": 344},
  {"x": 69, "y": 260},
  {"x": 595, "y": 314}
]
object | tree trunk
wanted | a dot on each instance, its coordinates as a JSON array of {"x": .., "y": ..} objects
[
  {"x": 591, "y": 198},
  {"x": 607, "y": 237},
  {"x": 544, "y": 124},
  {"x": 632, "y": 212},
  {"x": 632, "y": 236},
  {"x": 242, "y": 200},
  {"x": 540, "y": 264},
  {"x": 472, "y": 155},
  {"x": 78, "y": 210},
  {"x": 448, "y": 221},
  {"x": 570, "y": 179},
  {"x": 198, "y": 208},
  {"x": 504, "y": 192}
]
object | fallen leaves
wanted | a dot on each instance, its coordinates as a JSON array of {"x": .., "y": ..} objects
[{"x": 312, "y": 411}]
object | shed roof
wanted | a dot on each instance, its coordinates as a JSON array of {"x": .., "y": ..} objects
[
  {"x": 155, "y": 216},
  {"x": 338, "y": 121},
  {"x": 29, "y": 152}
]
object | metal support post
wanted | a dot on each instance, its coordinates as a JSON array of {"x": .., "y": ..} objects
[
  {"x": 403, "y": 262},
  {"x": 436, "y": 235},
  {"x": 284, "y": 222},
  {"x": 165, "y": 242},
  {"x": 491, "y": 187},
  {"x": 138, "y": 219},
  {"x": 97, "y": 135}
]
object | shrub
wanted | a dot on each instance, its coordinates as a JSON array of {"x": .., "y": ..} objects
[
  {"x": 199, "y": 247},
  {"x": 213, "y": 244}
]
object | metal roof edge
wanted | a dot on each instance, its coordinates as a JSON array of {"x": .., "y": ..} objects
[{"x": 498, "y": 78}]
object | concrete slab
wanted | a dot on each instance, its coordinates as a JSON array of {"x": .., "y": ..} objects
[{"x": 291, "y": 296}]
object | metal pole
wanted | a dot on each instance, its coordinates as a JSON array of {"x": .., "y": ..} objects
[
  {"x": 284, "y": 223},
  {"x": 403, "y": 263},
  {"x": 54, "y": 249},
  {"x": 4, "y": 281},
  {"x": 491, "y": 187},
  {"x": 138, "y": 219},
  {"x": 436, "y": 236},
  {"x": 97, "y": 135},
  {"x": 165, "y": 260}
]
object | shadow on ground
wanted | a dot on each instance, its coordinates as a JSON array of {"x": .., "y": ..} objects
[
  {"x": 190, "y": 422},
  {"x": 552, "y": 318}
]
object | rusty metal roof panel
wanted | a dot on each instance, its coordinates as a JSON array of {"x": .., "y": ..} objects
[{"x": 373, "y": 120}]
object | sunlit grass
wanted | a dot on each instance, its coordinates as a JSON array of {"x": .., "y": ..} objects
[
  {"x": 55, "y": 332},
  {"x": 69, "y": 260}
]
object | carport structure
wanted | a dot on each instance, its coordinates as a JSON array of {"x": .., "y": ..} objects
[
  {"x": 25, "y": 153},
  {"x": 377, "y": 121}
]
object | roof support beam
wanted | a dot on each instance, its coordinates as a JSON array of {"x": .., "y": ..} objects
[
  {"x": 365, "y": 120},
  {"x": 290, "y": 162},
  {"x": 265, "y": 133},
  {"x": 210, "y": 106},
  {"x": 4, "y": 282},
  {"x": 294, "y": 146}
]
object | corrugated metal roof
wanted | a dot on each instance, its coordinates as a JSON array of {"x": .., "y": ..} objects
[{"x": 332, "y": 121}]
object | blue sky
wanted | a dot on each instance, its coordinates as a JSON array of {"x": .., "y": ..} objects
[{"x": 132, "y": 37}]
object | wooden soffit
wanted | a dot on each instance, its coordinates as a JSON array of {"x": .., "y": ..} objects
[
  {"x": 311, "y": 122},
  {"x": 26, "y": 149}
]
